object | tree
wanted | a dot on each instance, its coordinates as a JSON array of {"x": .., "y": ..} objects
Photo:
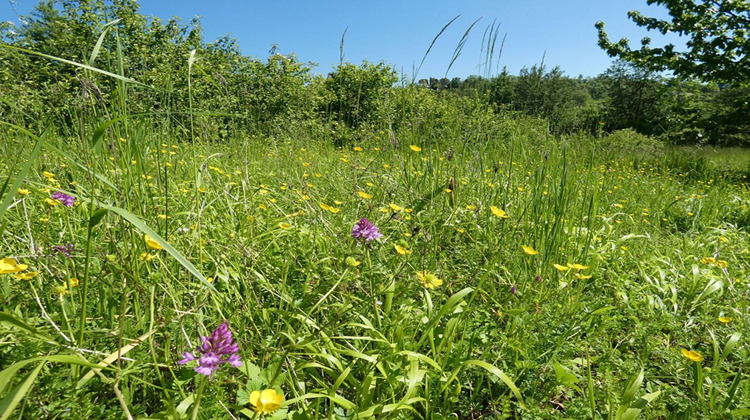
[{"x": 718, "y": 48}]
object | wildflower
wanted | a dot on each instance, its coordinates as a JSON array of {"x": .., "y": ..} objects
[
  {"x": 326, "y": 207},
  {"x": 284, "y": 225},
  {"x": 693, "y": 356},
  {"x": 266, "y": 401},
  {"x": 513, "y": 290},
  {"x": 65, "y": 199},
  {"x": 351, "y": 261},
  {"x": 498, "y": 212},
  {"x": 583, "y": 276},
  {"x": 66, "y": 250},
  {"x": 74, "y": 282},
  {"x": 725, "y": 319},
  {"x": 152, "y": 243},
  {"x": 415, "y": 148},
  {"x": 529, "y": 250},
  {"x": 578, "y": 266},
  {"x": 721, "y": 264},
  {"x": 708, "y": 260},
  {"x": 561, "y": 267},
  {"x": 24, "y": 191},
  {"x": 395, "y": 207},
  {"x": 145, "y": 256},
  {"x": 364, "y": 229},
  {"x": 357, "y": 149},
  {"x": 27, "y": 275},
  {"x": 401, "y": 250},
  {"x": 429, "y": 280},
  {"x": 62, "y": 290},
  {"x": 48, "y": 175},
  {"x": 364, "y": 195},
  {"x": 217, "y": 349},
  {"x": 10, "y": 266}
]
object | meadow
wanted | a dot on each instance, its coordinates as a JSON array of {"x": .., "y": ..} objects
[
  {"x": 189, "y": 233},
  {"x": 526, "y": 276}
]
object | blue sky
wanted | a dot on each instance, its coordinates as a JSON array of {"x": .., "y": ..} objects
[{"x": 399, "y": 32}]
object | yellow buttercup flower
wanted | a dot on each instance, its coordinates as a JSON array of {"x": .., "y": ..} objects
[
  {"x": 561, "y": 267},
  {"x": 578, "y": 266},
  {"x": 145, "y": 256},
  {"x": 395, "y": 207},
  {"x": 74, "y": 282},
  {"x": 357, "y": 149},
  {"x": 693, "y": 356},
  {"x": 415, "y": 148},
  {"x": 529, "y": 250},
  {"x": 708, "y": 260},
  {"x": 351, "y": 261},
  {"x": 326, "y": 207},
  {"x": 266, "y": 401},
  {"x": 725, "y": 319},
  {"x": 27, "y": 275},
  {"x": 401, "y": 250},
  {"x": 583, "y": 276},
  {"x": 364, "y": 195},
  {"x": 10, "y": 266},
  {"x": 284, "y": 225},
  {"x": 24, "y": 191},
  {"x": 152, "y": 243},
  {"x": 498, "y": 212},
  {"x": 429, "y": 280}
]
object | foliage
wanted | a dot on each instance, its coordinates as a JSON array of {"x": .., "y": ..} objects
[{"x": 718, "y": 47}]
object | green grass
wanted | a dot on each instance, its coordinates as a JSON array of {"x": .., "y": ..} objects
[{"x": 507, "y": 335}]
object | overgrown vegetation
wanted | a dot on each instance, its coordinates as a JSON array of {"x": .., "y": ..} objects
[{"x": 531, "y": 249}]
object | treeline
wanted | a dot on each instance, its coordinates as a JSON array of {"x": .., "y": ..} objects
[{"x": 212, "y": 91}]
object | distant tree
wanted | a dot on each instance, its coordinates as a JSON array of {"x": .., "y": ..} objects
[
  {"x": 635, "y": 99},
  {"x": 718, "y": 49}
]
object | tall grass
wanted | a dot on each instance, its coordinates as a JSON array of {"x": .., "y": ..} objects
[{"x": 572, "y": 277}]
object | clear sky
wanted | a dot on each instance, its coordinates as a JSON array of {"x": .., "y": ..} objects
[{"x": 400, "y": 31}]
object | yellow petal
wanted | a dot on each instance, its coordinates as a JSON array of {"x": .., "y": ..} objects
[
  {"x": 395, "y": 207},
  {"x": 693, "y": 356},
  {"x": 498, "y": 212},
  {"x": 152, "y": 243},
  {"x": 529, "y": 250},
  {"x": 364, "y": 195},
  {"x": 415, "y": 148},
  {"x": 561, "y": 267},
  {"x": 725, "y": 319}
]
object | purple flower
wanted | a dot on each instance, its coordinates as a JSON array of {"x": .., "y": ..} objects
[
  {"x": 66, "y": 199},
  {"x": 513, "y": 290},
  {"x": 216, "y": 349},
  {"x": 66, "y": 250},
  {"x": 366, "y": 230}
]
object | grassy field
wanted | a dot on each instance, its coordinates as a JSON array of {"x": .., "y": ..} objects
[{"x": 520, "y": 277}]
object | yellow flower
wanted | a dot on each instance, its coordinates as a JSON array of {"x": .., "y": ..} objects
[
  {"x": 73, "y": 282},
  {"x": 401, "y": 250},
  {"x": 266, "y": 402},
  {"x": 145, "y": 256},
  {"x": 498, "y": 212},
  {"x": 10, "y": 266},
  {"x": 48, "y": 175},
  {"x": 583, "y": 276},
  {"x": 708, "y": 260},
  {"x": 578, "y": 266},
  {"x": 395, "y": 207},
  {"x": 284, "y": 225},
  {"x": 152, "y": 243},
  {"x": 357, "y": 149},
  {"x": 325, "y": 206},
  {"x": 529, "y": 250},
  {"x": 352, "y": 262},
  {"x": 62, "y": 290},
  {"x": 721, "y": 264},
  {"x": 429, "y": 280},
  {"x": 415, "y": 148},
  {"x": 27, "y": 275},
  {"x": 693, "y": 356},
  {"x": 561, "y": 267},
  {"x": 725, "y": 319},
  {"x": 24, "y": 191},
  {"x": 51, "y": 202},
  {"x": 364, "y": 195}
]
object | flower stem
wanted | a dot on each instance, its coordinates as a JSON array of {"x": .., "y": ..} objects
[{"x": 198, "y": 397}]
